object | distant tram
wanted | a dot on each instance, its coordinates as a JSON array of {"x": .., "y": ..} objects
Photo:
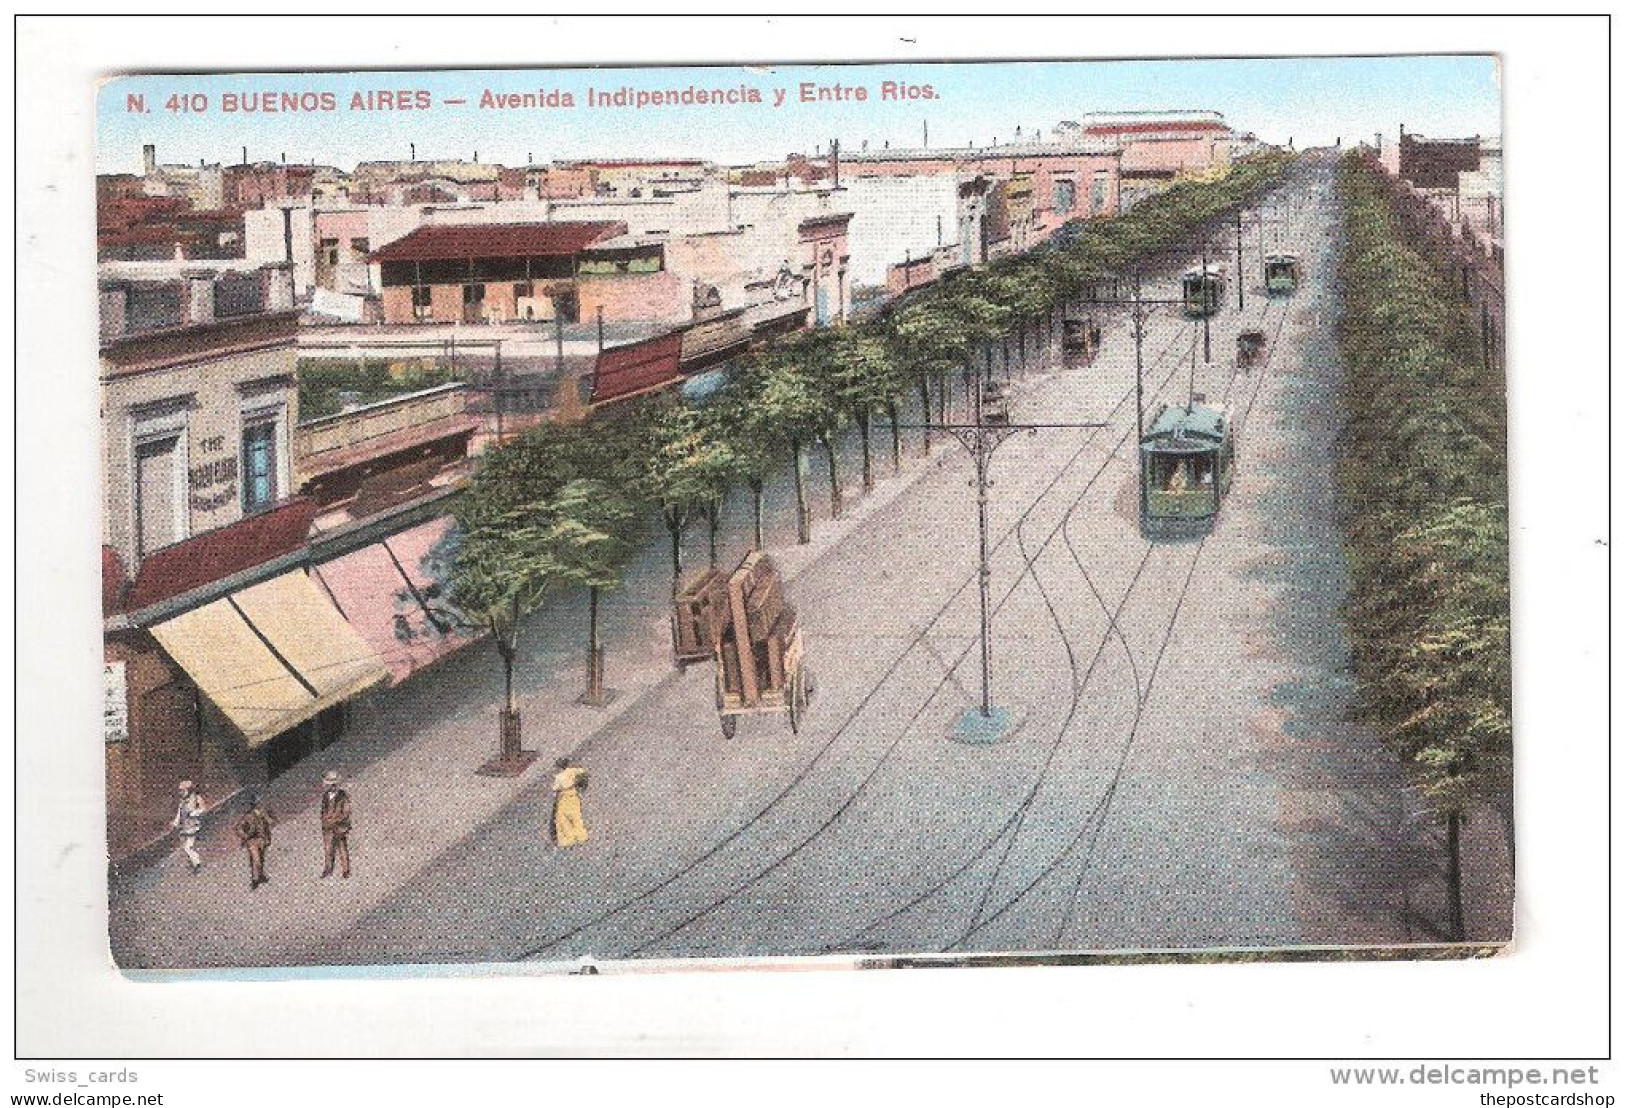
[
  {"x": 1187, "y": 460},
  {"x": 1203, "y": 290},
  {"x": 1282, "y": 272}
]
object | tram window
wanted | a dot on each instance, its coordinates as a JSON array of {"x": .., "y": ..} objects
[
  {"x": 1169, "y": 473},
  {"x": 1203, "y": 466}
]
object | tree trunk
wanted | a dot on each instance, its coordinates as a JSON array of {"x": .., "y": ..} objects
[
  {"x": 713, "y": 521},
  {"x": 595, "y": 675},
  {"x": 835, "y": 502},
  {"x": 803, "y": 516},
  {"x": 942, "y": 397},
  {"x": 1455, "y": 922},
  {"x": 756, "y": 491},
  {"x": 896, "y": 437},
  {"x": 925, "y": 416},
  {"x": 868, "y": 460},
  {"x": 674, "y": 527}
]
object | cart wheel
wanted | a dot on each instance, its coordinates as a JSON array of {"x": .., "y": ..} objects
[
  {"x": 729, "y": 725},
  {"x": 794, "y": 703}
]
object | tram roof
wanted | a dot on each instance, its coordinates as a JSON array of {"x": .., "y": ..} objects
[
  {"x": 1282, "y": 257},
  {"x": 1178, "y": 427},
  {"x": 1213, "y": 270}
]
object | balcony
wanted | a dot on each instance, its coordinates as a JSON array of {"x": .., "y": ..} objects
[{"x": 379, "y": 430}]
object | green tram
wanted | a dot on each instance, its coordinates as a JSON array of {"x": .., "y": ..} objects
[
  {"x": 1282, "y": 273},
  {"x": 1187, "y": 461},
  {"x": 1203, "y": 290}
]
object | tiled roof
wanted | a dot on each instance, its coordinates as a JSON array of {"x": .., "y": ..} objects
[
  {"x": 443, "y": 241},
  {"x": 213, "y": 555}
]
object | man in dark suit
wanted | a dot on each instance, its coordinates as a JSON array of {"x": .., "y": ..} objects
[
  {"x": 335, "y": 825},
  {"x": 254, "y": 833}
]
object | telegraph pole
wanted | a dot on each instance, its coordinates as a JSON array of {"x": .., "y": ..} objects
[
  {"x": 987, "y": 723},
  {"x": 1207, "y": 313},
  {"x": 1241, "y": 283}
]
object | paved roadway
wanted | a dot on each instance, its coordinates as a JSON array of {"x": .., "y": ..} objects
[{"x": 1183, "y": 779}]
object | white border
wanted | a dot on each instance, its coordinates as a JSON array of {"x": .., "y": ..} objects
[{"x": 1548, "y": 999}]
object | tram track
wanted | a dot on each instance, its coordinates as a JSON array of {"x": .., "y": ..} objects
[
  {"x": 913, "y": 643},
  {"x": 1114, "y": 629},
  {"x": 949, "y": 670},
  {"x": 1096, "y": 820}
]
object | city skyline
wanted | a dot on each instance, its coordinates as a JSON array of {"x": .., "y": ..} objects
[{"x": 1276, "y": 99}]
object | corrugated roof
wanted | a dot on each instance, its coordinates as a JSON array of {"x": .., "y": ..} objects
[{"x": 444, "y": 241}]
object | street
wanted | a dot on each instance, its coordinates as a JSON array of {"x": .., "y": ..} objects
[{"x": 1185, "y": 775}]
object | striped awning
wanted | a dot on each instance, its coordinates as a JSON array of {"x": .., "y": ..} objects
[{"x": 271, "y": 656}]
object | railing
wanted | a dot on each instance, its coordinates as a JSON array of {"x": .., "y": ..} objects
[{"x": 372, "y": 421}]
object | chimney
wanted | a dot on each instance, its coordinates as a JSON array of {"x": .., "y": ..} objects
[
  {"x": 199, "y": 295},
  {"x": 835, "y": 163},
  {"x": 285, "y": 158},
  {"x": 149, "y": 160},
  {"x": 245, "y": 155}
]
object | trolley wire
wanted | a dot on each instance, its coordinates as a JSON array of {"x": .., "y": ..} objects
[
  {"x": 1096, "y": 819},
  {"x": 885, "y": 757},
  {"x": 805, "y": 771}
]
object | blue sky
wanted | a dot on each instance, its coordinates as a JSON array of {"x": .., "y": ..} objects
[{"x": 1312, "y": 100}]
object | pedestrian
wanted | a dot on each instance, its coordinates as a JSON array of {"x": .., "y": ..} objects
[
  {"x": 254, "y": 833},
  {"x": 335, "y": 825},
  {"x": 189, "y": 822},
  {"x": 568, "y": 783}
]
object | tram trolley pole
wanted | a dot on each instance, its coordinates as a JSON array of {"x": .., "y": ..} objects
[{"x": 987, "y": 723}]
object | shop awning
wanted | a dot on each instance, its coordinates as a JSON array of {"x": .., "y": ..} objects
[
  {"x": 271, "y": 656},
  {"x": 394, "y": 595}
]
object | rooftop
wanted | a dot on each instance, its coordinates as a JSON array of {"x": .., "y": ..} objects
[{"x": 444, "y": 241}]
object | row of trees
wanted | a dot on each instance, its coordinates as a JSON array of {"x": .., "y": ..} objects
[
  {"x": 562, "y": 506},
  {"x": 1424, "y": 470}
]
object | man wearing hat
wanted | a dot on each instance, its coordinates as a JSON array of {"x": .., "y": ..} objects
[
  {"x": 335, "y": 824},
  {"x": 189, "y": 822},
  {"x": 254, "y": 832}
]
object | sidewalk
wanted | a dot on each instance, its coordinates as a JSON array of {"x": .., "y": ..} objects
[{"x": 409, "y": 758}]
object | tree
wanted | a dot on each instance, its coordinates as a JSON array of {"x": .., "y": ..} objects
[
  {"x": 861, "y": 378},
  {"x": 593, "y": 536},
  {"x": 689, "y": 470},
  {"x": 510, "y": 557},
  {"x": 789, "y": 401},
  {"x": 752, "y": 435}
]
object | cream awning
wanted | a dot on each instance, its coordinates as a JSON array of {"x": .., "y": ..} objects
[{"x": 271, "y": 656}]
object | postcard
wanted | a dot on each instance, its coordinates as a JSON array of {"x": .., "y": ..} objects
[{"x": 592, "y": 519}]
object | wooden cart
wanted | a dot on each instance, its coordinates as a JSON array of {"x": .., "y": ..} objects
[
  {"x": 760, "y": 662},
  {"x": 698, "y": 618},
  {"x": 1249, "y": 348}
]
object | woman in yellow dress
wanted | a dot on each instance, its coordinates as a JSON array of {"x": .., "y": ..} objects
[{"x": 568, "y": 829}]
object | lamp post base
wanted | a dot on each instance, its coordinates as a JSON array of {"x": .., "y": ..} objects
[{"x": 975, "y": 729}]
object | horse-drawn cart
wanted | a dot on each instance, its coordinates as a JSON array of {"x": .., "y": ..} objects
[
  {"x": 760, "y": 662},
  {"x": 699, "y": 615},
  {"x": 1249, "y": 349}
]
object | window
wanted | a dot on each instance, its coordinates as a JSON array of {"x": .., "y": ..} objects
[
  {"x": 259, "y": 464},
  {"x": 158, "y": 475},
  {"x": 330, "y": 251},
  {"x": 422, "y": 302},
  {"x": 159, "y": 512},
  {"x": 360, "y": 248},
  {"x": 473, "y": 294},
  {"x": 1066, "y": 195},
  {"x": 1097, "y": 192}
]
